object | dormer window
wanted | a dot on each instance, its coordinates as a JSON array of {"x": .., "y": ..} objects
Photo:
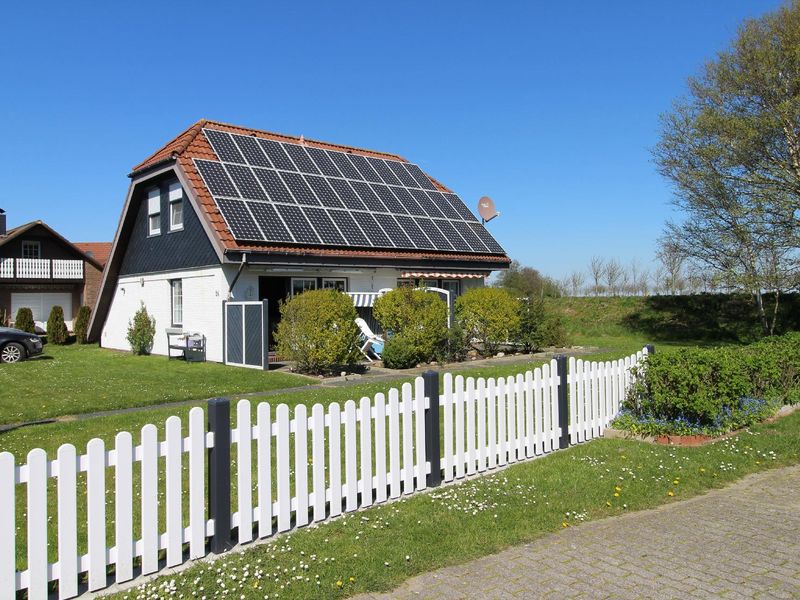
[
  {"x": 31, "y": 249},
  {"x": 154, "y": 211},
  {"x": 175, "y": 207}
]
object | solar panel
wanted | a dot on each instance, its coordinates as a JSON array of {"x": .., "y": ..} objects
[
  {"x": 274, "y": 186},
  {"x": 366, "y": 170},
  {"x": 299, "y": 188},
  {"x": 384, "y": 171},
  {"x": 276, "y": 154},
  {"x": 279, "y": 192},
  {"x": 344, "y": 165},
  {"x": 374, "y": 231},
  {"x": 216, "y": 178},
  {"x": 297, "y": 223},
  {"x": 246, "y": 182},
  {"x": 301, "y": 158},
  {"x": 239, "y": 220},
  {"x": 323, "y": 162},
  {"x": 350, "y": 230},
  {"x": 251, "y": 151},
  {"x": 223, "y": 145},
  {"x": 270, "y": 223},
  {"x": 324, "y": 191},
  {"x": 325, "y": 227}
]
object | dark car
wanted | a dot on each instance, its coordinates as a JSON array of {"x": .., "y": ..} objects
[{"x": 16, "y": 345}]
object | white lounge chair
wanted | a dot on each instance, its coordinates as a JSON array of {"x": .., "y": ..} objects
[{"x": 372, "y": 342}]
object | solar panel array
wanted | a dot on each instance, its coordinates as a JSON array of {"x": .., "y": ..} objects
[{"x": 269, "y": 191}]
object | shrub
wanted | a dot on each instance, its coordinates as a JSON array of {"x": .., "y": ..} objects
[
  {"x": 81, "y": 326},
  {"x": 56, "y": 328},
  {"x": 318, "y": 330},
  {"x": 141, "y": 331},
  {"x": 419, "y": 316},
  {"x": 24, "y": 320},
  {"x": 400, "y": 352},
  {"x": 491, "y": 315},
  {"x": 455, "y": 347}
]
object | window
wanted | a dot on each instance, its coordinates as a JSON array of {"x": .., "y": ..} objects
[
  {"x": 405, "y": 283},
  {"x": 31, "y": 249},
  {"x": 177, "y": 302},
  {"x": 175, "y": 207},
  {"x": 300, "y": 285},
  {"x": 453, "y": 286},
  {"x": 154, "y": 211},
  {"x": 334, "y": 284},
  {"x": 426, "y": 283}
]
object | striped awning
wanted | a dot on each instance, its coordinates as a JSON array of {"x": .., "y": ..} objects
[
  {"x": 420, "y": 275},
  {"x": 363, "y": 299}
]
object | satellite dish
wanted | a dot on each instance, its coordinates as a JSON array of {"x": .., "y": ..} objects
[{"x": 486, "y": 209}]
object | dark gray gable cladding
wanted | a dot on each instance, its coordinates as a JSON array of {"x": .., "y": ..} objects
[{"x": 170, "y": 250}]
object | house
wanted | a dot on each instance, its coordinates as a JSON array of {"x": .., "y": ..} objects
[
  {"x": 227, "y": 213},
  {"x": 40, "y": 269}
]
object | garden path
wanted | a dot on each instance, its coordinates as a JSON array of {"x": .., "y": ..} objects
[{"x": 738, "y": 542}]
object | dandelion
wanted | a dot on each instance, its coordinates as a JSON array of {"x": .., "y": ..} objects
[
  {"x": 339, "y": 583},
  {"x": 676, "y": 481},
  {"x": 670, "y": 493},
  {"x": 608, "y": 503},
  {"x": 352, "y": 579},
  {"x": 564, "y": 524}
]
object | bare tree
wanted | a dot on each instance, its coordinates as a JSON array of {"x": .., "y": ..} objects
[
  {"x": 672, "y": 259},
  {"x": 576, "y": 281},
  {"x": 642, "y": 282},
  {"x": 597, "y": 268},
  {"x": 613, "y": 275}
]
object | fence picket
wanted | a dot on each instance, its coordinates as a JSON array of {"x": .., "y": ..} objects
[
  {"x": 530, "y": 431},
  {"x": 244, "y": 477},
  {"x": 520, "y": 393},
  {"x": 197, "y": 483},
  {"x": 491, "y": 422},
  {"x": 68, "y": 519},
  {"x": 458, "y": 406},
  {"x": 264, "y": 469},
  {"x": 282, "y": 468},
  {"x": 502, "y": 440},
  {"x": 366, "y": 451},
  {"x": 481, "y": 397},
  {"x": 8, "y": 528},
  {"x": 149, "y": 518},
  {"x": 469, "y": 407},
  {"x": 351, "y": 500},
  {"x": 547, "y": 406},
  {"x": 335, "y": 457},
  {"x": 538, "y": 408},
  {"x": 174, "y": 492},
  {"x": 96, "y": 511},
  {"x": 318, "y": 460},
  {"x": 408, "y": 440},
  {"x": 380, "y": 448},
  {"x": 37, "y": 525},
  {"x": 123, "y": 506},
  {"x": 511, "y": 419},
  {"x": 447, "y": 408},
  {"x": 301, "y": 464},
  {"x": 394, "y": 444},
  {"x": 419, "y": 408}
]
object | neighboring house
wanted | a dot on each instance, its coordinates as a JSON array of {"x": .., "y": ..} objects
[
  {"x": 99, "y": 251},
  {"x": 229, "y": 213},
  {"x": 40, "y": 269}
]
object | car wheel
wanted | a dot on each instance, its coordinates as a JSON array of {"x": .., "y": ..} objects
[{"x": 12, "y": 352}]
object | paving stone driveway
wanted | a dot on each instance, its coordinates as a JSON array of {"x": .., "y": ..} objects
[{"x": 739, "y": 542}]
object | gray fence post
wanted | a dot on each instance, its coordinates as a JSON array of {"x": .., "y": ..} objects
[
  {"x": 432, "y": 445},
  {"x": 650, "y": 348},
  {"x": 219, "y": 473},
  {"x": 563, "y": 400}
]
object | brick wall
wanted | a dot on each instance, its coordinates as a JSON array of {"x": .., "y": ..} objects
[{"x": 91, "y": 289}]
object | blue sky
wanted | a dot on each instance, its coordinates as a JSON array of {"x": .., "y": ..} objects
[{"x": 548, "y": 108}]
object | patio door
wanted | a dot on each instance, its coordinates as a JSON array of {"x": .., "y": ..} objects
[{"x": 245, "y": 334}]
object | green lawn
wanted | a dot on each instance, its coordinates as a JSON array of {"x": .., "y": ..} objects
[
  {"x": 69, "y": 380},
  {"x": 376, "y": 549}
]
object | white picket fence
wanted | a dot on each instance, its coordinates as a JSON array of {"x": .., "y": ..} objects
[{"x": 360, "y": 454}]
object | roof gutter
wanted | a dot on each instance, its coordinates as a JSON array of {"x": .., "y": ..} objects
[{"x": 238, "y": 274}]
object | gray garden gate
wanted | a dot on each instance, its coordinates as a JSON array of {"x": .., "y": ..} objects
[{"x": 245, "y": 338}]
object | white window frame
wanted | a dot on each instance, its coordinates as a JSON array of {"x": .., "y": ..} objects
[
  {"x": 176, "y": 302},
  {"x": 175, "y": 202},
  {"x": 28, "y": 245},
  {"x": 333, "y": 280},
  {"x": 305, "y": 279},
  {"x": 153, "y": 210}
]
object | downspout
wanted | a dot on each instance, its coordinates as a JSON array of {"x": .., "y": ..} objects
[{"x": 238, "y": 274}]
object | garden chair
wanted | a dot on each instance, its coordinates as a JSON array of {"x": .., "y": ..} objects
[{"x": 372, "y": 342}]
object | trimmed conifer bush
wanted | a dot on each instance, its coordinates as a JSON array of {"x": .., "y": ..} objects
[
  {"x": 141, "y": 331},
  {"x": 81, "y": 327},
  {"x": 24, "y": 320},
  {"x": 56, "y": 327}
]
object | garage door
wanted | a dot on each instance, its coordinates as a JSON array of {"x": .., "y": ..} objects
[{"x": 42, "y": 303}]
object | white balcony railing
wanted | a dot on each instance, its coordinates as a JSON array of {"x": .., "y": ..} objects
[{"x": 40, "y": 268}]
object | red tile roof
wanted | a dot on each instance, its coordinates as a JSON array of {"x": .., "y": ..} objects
[
  {"x": 190, "y": 145},
  {"x": 100, "y": 251}
]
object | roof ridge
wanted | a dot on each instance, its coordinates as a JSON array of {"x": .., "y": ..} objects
[{"x": 174, "y": 147}]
